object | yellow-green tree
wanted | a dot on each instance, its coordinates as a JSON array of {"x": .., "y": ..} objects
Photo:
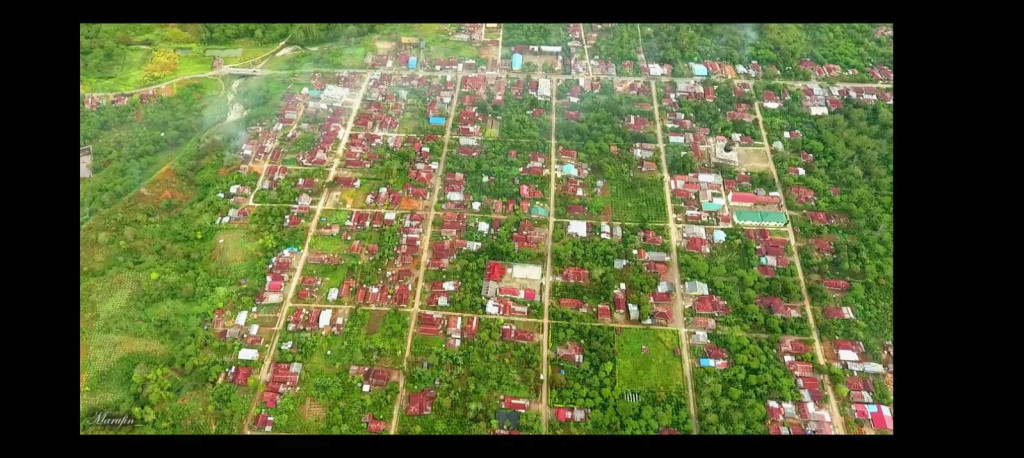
[{"x": 164, "y": 62}]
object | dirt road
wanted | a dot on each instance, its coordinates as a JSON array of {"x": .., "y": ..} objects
[
  {"x": 548, "y": 276},
  {"x": 425, "y": 243},
  {"x": 837, "y": 419},
  {"x": 680, "y": 321}
]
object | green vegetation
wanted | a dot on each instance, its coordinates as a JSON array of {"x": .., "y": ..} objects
[
  {"x": 502, "y": 171},
  {"x": 608, "y": 374},
  {"x": 618, "y": 44},
  {"x": 131, "y": 143},
  {"x": 853, "y": 151},
  {"x": 535, "y": 35},
  {"x": 847, "y": 45},
  {"x": 470, "y": 380},
  {"x": 287, "y": 190},
  {"x": 598, "y": 256},
  {"x": 729, "y": 273},
  {"x": 330, "y": 401},
  {"x": 732, "y": 401}
]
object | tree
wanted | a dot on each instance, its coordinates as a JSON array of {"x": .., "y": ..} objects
[{"x": 163, "y": 62}]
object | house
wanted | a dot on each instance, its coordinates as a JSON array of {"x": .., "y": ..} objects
[
  {"x": 800, "y": 368},
  {"x": 514, "y": 403},
  {"x": 240, "y": 375},
  {"x": 860, "y": 384},
  {"x": 264, "y": 422},
  {"x": 420, "y": 403},
  {"x": 836, "y": 285},
  {"x": 715, "y": 352},
  {"x": 573, "y": 414},
  {"x": 793, "y": 346},
  {"x": 571, "y": 352},
  {"x": 604, "y": 312},
  {"x": 713, "y": 305},
  {"x": 705, "y": 323},
  {"x": 879, "y": 415},
  {"x": 510, "y": 333},
  {"x": 662, "y": 315},
  {"x": 839, "y": 313},
  {"x": 575, "y": 275}
]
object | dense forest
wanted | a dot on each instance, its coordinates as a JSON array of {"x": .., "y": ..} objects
[
  {"x": 729, "y": 272},
  {"x": 846, "y": 45},
  {"x": 732, "y": 401},
  {"x": 853, "y": 151},
  {"x": 535, "y": 34},
  {"x": 606, "y": 376}
]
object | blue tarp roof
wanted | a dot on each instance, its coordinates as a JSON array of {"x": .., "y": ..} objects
[
  {"x": 699, "y": 69},
  {"x": 718, "y": 235},
  {"x": 570, "y": 169},
  {"x": 412, "y": 62},
  {"x": 706, "y": 362},
  {"x": 517, "y": 61},
  {"x": 436, "y": 120}
]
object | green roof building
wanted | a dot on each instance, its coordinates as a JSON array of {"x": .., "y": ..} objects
[
  {"x": 754, "y": 218},
  {"x": 539, "y": 212}
]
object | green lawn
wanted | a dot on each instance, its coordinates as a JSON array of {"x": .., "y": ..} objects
[
  {"x": 659, "y": 368},
  {"x": 129, "y": 76}
]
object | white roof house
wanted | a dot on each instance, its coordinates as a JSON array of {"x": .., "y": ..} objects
[
  {"x": 544, "y": 88},
  {"x": 818, "y": 111},
  {"x": 847, "y": 355},
  {"x": 242, "y": 316},
  {"x": 325, "y": 318},
  {"x": 332, "y": 294},
  {"x": 254, "y": 329},
  {"x": 577, "y": 228},
  {"x": 483, "y": 227},
  {"x": 249, "y": 354}
]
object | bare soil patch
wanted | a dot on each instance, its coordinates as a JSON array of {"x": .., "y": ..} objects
[
  {"x": 606, "y": 215},
  {"x": 383, "y": 47},
  {"x": 753, "y": 159},
  {"x": 409, "y": 203},
  {"x": 540, "y": 59}
]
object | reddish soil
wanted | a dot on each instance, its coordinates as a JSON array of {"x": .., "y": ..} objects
[
  {"x": 409, "y": 203},
  {"x": 606, "y": 215}
]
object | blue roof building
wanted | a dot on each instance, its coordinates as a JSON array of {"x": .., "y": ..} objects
[
  {"x": 718, "y": 236},
  {"x": 517, "y": 62},
  {"x": 711, "y": 206},
  {"x": 707, "y": 362},
  {"x": 570, "y": 170},
  {"x": 437, "y": 120},
  {"x": 699, "y": 69},
  {"x": 412, "y": 63}
]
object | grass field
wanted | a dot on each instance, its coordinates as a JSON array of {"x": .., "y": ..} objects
[
  {"x": 659, "y": 367},
  {"x": 641, "y": 200}
]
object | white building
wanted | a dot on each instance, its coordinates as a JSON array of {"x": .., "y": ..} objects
[
  {"x": 818, "y": 111},
  {"x": 577, "y": 228},
  {"x": 544, "y": 88},
  {"x": 249, "y": 354},
  {"x": 325, "y": 318},
  {"x": 242, "y": 316},
  {"x": 334, "y": 95},
  {"x": 332, "y": 294}
]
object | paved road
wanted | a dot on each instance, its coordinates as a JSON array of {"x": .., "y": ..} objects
[
  {"x": 837, "y": 419},
  {"x": 425, "y": 255},
  {"x": 680, "y": 321}
]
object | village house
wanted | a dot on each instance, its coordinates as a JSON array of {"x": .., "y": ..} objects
[
  {"x": 571, "y": 352},
  {"x": 420, "y": 403}
]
